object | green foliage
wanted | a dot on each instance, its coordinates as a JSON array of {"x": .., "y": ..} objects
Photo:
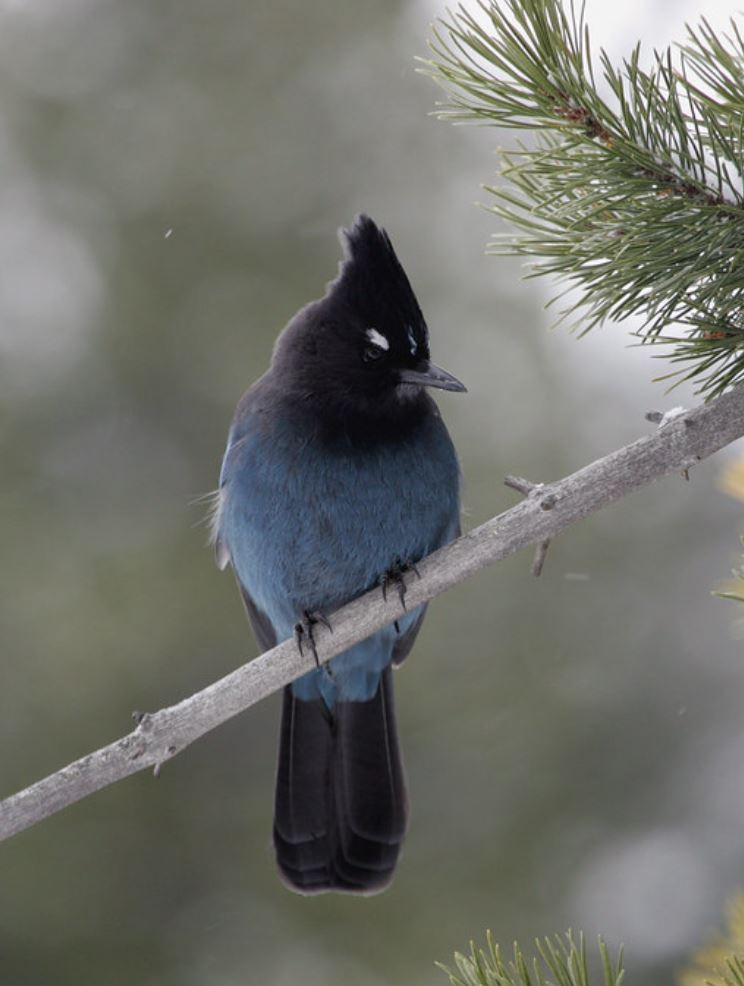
[
  {"x": 731, "y": 482},
  {"x": 734, "y": 972},
  {"x": 720, "y": 962},
  {"x": 635, "y": 198},
  {"x": 562, "y": 961}
]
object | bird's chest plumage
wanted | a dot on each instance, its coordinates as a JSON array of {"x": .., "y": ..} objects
[{"x": 310, "y": 525}]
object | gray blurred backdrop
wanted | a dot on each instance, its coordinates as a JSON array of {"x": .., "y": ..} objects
[{"x": 173, "y": 174}]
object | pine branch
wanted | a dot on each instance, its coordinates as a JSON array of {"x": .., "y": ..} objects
[
  {"x": 681, "y": 440},
  {"x": 635, "y": 199},
  {"x": 559, "y": 960},
  {"x": 720, "y": 962}
]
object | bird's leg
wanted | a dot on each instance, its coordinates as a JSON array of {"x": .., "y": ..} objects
[
  {"x": 304, "y": 631},
  {"x": 395, "y": 576}
]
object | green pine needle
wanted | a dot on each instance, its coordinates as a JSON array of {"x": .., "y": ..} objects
[
  {"x": 733, "y": 975},
  {"x": 636, "y": 201},
  {"x": 559, "y": 960}
]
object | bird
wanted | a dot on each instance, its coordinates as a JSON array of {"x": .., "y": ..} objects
[{"x": 339, "y": 476}]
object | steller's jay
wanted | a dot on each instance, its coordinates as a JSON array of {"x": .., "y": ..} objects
[{"x": 340, "y": 475}]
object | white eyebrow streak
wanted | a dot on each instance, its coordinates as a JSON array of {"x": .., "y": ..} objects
[{"x": 378, "y": 339}]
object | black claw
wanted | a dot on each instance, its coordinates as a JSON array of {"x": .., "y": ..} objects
[
  {"x": 322, "y": 618},
  {"x": 304, "y": 629},
  {"x": 395, "y": 576},
  {"x": 299, "y": 634}
]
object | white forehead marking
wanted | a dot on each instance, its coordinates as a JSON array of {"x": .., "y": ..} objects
[
  {"x": 378, "y": 339},
  {"x": 412, "y": 341}
]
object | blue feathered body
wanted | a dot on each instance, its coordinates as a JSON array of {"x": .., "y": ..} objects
[{"x": 310, "y": 522}]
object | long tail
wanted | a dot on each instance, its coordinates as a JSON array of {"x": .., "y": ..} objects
[{"x": 341, "y": 808}]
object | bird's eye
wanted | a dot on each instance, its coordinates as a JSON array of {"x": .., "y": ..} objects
[
  {"x": 377, "y": 346},
  {"x": 372, "y": 353}
]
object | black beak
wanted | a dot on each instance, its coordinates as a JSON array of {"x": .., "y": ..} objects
[{"x": 429, "y": 375}]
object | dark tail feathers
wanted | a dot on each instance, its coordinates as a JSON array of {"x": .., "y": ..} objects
[{"x": 341, "y": 808}]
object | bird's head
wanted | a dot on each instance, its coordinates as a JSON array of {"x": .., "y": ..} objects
[{"x": 365, "y": 344}]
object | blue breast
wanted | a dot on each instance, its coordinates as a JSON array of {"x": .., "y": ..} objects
[{"x": 310, "y": 526}]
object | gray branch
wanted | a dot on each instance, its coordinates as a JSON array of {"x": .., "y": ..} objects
[{"x": 681, "y": 440}]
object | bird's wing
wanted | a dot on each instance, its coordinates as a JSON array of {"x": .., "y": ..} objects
[
  {"x": 221, "y": 553},
  {"x": 404, "y": 643},
  {"x": 260, "y": 622}
]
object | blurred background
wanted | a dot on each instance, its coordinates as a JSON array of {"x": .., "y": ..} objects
[{"x": 173, "y": 175}]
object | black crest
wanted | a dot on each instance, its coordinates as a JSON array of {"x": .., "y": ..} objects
[{"x": 372, "y": 281}]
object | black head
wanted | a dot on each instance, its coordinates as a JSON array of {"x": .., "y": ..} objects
[{"x": 364, "y": 346}]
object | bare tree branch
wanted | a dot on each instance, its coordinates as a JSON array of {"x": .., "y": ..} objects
[
  {"x": 682, "y": 439},
  {"x": 547, "y": 503}
]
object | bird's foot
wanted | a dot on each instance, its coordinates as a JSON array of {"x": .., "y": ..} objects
[
  {"x": 304, "y": 631},
  {"x": 395, "y": 577}
]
